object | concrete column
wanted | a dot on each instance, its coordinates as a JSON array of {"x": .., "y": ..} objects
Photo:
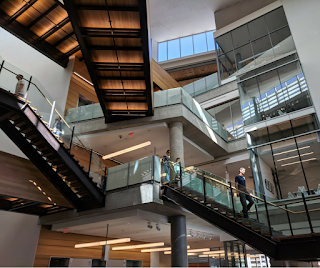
[
  {"x": 176, "y": 145},
  {"x": 154, "y": 259},
  {"x": 179, "y": 256}
]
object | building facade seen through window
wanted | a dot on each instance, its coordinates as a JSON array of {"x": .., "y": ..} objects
[{"x": 186, "y": 46}]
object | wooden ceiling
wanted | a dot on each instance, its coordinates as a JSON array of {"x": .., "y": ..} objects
[
  {"x": 44, "y": 24},
  {"x": 113, "y": 36}
]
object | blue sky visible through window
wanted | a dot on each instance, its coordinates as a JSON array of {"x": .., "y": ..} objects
[{"x": 186, "y": 46}]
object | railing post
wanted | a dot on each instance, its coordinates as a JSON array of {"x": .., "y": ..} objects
[
  {"x": 152, "y": 167},
  {"x": 25, "y": 95},
  {"x": 1, "y": 66},
  {"x": 204, "y": 187},
  {"x": 180, "y": 175},
  {"x": 307, "y": 212},
  {"x": 128, "y": 175},
  {"x": 267, "y": 213},
  {"x": 231, "y": 192},
  {"x": 257, "y": 214},
  {"x": 105, "y": 180},
  {"x": 90, "y": 162},
  {"x": 71, "y": 139},
  {"x": 51, "y": 113},
  {"x": 289, "y": 221}
]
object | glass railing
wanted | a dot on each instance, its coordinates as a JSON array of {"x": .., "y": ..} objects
[
  {"x": 28, "y": 88},
  {"x": 180, "y": 96},
  {"x": 140, "y": 171},
  {"x": 202, "y": 85}
]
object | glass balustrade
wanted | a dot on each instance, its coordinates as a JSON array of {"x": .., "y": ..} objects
[
  {"x": 202, "y": 85},
  {"x": 27, "y": 87}
]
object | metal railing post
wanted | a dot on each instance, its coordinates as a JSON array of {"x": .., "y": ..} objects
[
  {"x": 152, "y": 166},
  {"x": 307, "y": 212},
  {"x": 233, "y": 209},
  {"x": 204, "y": 187},
  {"x": 105, "y": 180},
  {"x": 26, "y": 95},
  {"x": 289, "y": 221},
  {"x": 257, "y": 214},
  {"x": 267, "y": 213},
  {"x": 71, "y": 139},
  {"x": 90, "y": 162},
  {"x": 51, "y": 113},
  {"x": 180, "y": 175},
  {"x": 1, "y": 66}
]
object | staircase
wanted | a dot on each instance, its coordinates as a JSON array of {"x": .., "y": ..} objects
[
  {"x": 25, "y": 127},
  {"x": 252, "y": 232}
]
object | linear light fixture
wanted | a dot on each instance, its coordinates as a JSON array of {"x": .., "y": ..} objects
[
  {"x": 150, "y": 245},
  {"x": 292, "y": 150},
  {"x": 83, "y": 78},
  {"x": 213, "y": 252},
  {"x": 299, "y": 162},
  {"x": 130, "y": 149},
  {"x": 293, "y": 156},
  {"x": 103, "y": 243},
  {"x": 189, "y": 253},
  {"x": 199, "y": 250},
  {"x": 158, "y": 249},
  {"x": 212, "y": 256}
]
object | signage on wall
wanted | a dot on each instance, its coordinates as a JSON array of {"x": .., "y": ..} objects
[{"x": 269, "y": 186}]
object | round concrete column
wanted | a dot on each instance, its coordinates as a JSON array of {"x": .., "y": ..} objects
[
  {"x": 179, "y": 255},
  {"x": 176, "y": 142}
]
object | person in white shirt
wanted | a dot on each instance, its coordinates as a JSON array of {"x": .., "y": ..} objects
[{"x": 20, "y": 85}]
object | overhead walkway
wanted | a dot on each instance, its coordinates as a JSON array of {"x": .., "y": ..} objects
[
  {"x": 283, "y": 232},
  {"x": 114, "y": 40},
  {"x": 31, "y": 129}
]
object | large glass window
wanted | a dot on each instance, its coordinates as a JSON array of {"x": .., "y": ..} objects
[
  {"x": 254, "y": 43},
  {"x": 271, "y": 91},
  {"x": 186, "y": 46},
  {"x": 229, "y": 116}
]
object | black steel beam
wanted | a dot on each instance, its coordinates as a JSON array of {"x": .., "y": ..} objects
[
  {"x": 124, "y": 100},
  {"x": 107, "y": 32},
  {"x": 147, "y": 57},
  {"x": 72, "y": 51},
  {"x": 54, "y": 29},
  {"x": 63, "y": 39},
  {"x": 29, "y": 37},
  {"x": 75, "y": 20},
  {"x": 5, "y": 114},
  {"x": 23, "y": 9},
  {"x": 42, "y": 15},
  {"x": 121, "y": 78},
  {"x": 118, "y": 67},
  {"x": 115, "y": 48},
  {"x": 24, "y": 206},
  {"x": 110, "y": 8}
]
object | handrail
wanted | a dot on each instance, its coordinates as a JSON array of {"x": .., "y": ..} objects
[{"x": 193, "y": 169}]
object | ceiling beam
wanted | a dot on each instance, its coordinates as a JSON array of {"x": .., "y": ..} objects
[
  {"x": 29, "y": 37},
  {"x": 104, "y": 66},
  {"x": 110, "y": 90},
  {"x": 63, "y": 39},
  {"x": 54, "y": 29},
  {"x": 74, "y": 18},
  {"x": 42, "y": 15},
  {"x": 30, "y": 203},
  {"x": 72, "y": 51},
  {"x": 107, "y": 32},
  {"x": 110, "y": 8},
  {"x": 23, "y": 9},
  {"x": 115, "y": 48},
  {"x": 121, "y": 78},
  {"x": 124, "y": 100}
]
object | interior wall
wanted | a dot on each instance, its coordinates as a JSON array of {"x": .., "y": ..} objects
[
  {"x": 266, "y": 174},
  {"x": 54, "y": 78},
  {"x": 62, "y": 245},
  {"x": 306, "y": 36},
  {"x": 18, "y": 239}
]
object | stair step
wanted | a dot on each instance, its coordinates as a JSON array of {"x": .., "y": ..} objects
[
  {"x": 19, "y": 123},
  {"x": 52, "y": 159},
  {"x": 35, "y": 139},
  {"x": 37, "y": 143},
  {"x": 31, "y": 136}
]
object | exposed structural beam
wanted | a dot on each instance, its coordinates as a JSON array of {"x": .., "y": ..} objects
[
  {"x": 110, "y": 8},
  {"x": 24, "y": 205},
  {"x": 43, "y": 15},
  {"x": 63, "y": 39},
  {"x": 147, "y": 58},
  {"x": 26, "y": 35},
  {"x": 104, "y": 66},
  {"x": 111, "y": 100},
  {"x": 54, "y": 29},
  {"x": 74, "y": 18},
  {"x": 107, "y": 32},
  {"x": 23, "y": 9},
  {"x": 115, "y": 48},
  {"x": 121, "y": 78},
  {"x": 72, "y": 51}
]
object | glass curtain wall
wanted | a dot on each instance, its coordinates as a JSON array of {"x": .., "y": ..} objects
[
  {"x": 287, "y": 155},
  {"x": 254, "y": 43},
  {"x": 273, "y": 90},
  {"x": 229, "y": 116}
]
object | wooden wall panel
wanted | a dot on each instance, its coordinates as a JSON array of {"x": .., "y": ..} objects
[
  {"x": 62, "y": 245},
  {"x": 162, "y": 78},
  {"x": 15, "y": 176}
]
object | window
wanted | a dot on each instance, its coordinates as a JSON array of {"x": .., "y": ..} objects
[{"x": 186, "y": 46}]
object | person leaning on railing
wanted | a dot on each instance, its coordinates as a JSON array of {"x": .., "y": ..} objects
[
  {"x": 240, "y": 181},
  {"x": 166, "y": 167},
  {"x": 19, "y": 86}
]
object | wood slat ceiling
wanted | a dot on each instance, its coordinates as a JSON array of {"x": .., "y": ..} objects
[
  {"x": 113, "y": 36},
  {"x": 48, "y": 22}
]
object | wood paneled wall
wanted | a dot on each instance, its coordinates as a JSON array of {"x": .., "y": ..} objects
[
  {"x": 15, "y": 180},
  {"x": 58, "y": 244},
  {"x": 162, "y": 78}
]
